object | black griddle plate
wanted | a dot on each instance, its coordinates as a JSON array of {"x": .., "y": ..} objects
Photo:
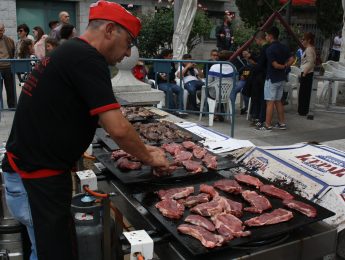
[
  {"x": 111, "y": 145},
  {"x": 145, "y": 173},
  {"x": 194, "y": 246}
]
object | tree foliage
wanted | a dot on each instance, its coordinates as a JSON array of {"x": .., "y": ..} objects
[
  {"x": 329, "y": 16},
  {"x": 256, "y": 12},
  {"x": 158, "y": 29}
]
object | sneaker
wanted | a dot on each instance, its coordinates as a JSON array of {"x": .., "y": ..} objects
[
  {"x": 259, "y": 124},
  {"x": 280, "y": 126},
  {"x": 264, "y": 128}
]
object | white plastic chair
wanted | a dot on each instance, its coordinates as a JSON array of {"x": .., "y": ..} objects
[{"x": 225, "y": 90}]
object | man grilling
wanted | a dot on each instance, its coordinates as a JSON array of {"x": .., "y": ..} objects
[{"x": 60, "y": 106}]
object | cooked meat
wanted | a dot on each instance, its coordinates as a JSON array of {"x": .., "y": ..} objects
[
  {"x": 191, "y": 201},
  {"x": 188, "y": 145},
  {"x": 172, "y": 148},
  {"x": 208, "y": 209},
  {"x": 209, "y": 190},
  {"x": 199, "y": 152},
  {"x": 118, "y": 154},
  {"x": 249, "y": 180},
  {"x": 210, "y": 161},
  {"x": 259, "y": 203},
  {"x": 170, "y": 208},
  {"x": 233, "y": 207},
  {"x": 135, "y": 112},
  {"x": 208, "y": 239},
  {"x": 274, "y": 217},
  {"x": 192, "y": 166},
  {"x": 227, "y": 185},
  {"x": 302, "y": 207},
  {"x": 229, "y": 226},
  {"x": 182, "y": 156},
  {"x": 200, "y": 221},
  {"x": 175, "y": 193},
  {"x": 159, "y": 172},
  {"x": 276, "y": 192},
  {"x": 124, "y": 164}
]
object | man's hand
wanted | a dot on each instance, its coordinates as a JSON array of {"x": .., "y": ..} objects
[
  {"x": 158, "y": 159},
  {"x": 222, "y": 35}
]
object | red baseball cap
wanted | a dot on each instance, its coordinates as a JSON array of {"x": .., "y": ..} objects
[{"x": 110, "y": 11}]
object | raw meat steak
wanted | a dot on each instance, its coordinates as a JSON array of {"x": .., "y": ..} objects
[
  {"x": 172, "y": 148},
  {"x": 233, "y": 207},
  {"x": 274, "y": 217},
  {"x": 209, "y": 190},
  {"x": 210, "y": 161},
  {"x": 206, "y": 238},
  {"x": 249, "y": 180},
  {"x": 124, "y": 164},
  {"x": 188, "y": 145},
  {"x": 175, "y": 193},
  {"x": 199, "y": 152},
  {"x": 276, "y": 192},
  {"x": 192, "y": 166},
  {"x": 118, "y": 154},
  {"x": 208, "y": 209},
  {"x": 159, "y": 172},
  {"x": 230, "y": 186},
  {"x": 170, "y": 208},
  {"x": 200, "y": 221},
  {"x": 259, "y": 203},
  {"x": 229, "y": 226},
  {"x": 193, "y": 200},
  {"x": 182, "y": 156},
  {"x": 302, "y": 207}
]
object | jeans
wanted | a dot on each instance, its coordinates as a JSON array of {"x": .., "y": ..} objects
[
  {"x": 18, "y": 205},
  {"x": 192, "y": 87},
  {"x": 236, "y": 89},
  {"x": 169, "y": 89}
]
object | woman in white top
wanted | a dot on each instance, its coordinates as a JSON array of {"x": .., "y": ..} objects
[
  {"x": 307, "y": 67},
  {"x": 39, "y": 45}
]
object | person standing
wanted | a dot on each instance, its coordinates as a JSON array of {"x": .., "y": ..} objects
[
  {"x": 278, "y": 60},
  {"x": 307, "y": 66},
  {"x": 64, "y": 19},
  {"x": 7, "y": 49},
  {"x": 39, "y": 44},
  {"x": 336, "y": 47},
  {"x": 67, "y": 95},
  {"x": 224, "y": 34},
  {"x": 214, "y": 56}
]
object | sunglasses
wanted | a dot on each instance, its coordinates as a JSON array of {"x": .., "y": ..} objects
[{"x": 20, "y": 30}]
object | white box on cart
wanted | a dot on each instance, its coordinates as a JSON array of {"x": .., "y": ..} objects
[{"x": 89, "y": 178}]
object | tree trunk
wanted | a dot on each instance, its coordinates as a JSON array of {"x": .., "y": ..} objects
[
  {"x": 325, "y": 49},
  {"x": 342, "y": 53}
]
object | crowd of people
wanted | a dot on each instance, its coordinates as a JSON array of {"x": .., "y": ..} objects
[{"x": 30, "y": 46}]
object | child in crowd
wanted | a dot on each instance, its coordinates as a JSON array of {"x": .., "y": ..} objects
[
  {"x": 27, "y": 51},
  {"x": 51, "y": 44}
]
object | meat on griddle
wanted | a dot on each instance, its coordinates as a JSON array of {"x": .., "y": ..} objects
[
  {"x": 159, "y": 172},
  {"x": 193, "y": 166},
  {"x": 233, "y": 207},
  {"x": 175, "y": 193},
  {"x": 199, "y": 152},
  {"x": 193, "y": 200},
  {"x": 259, "y": 203},
  {"x": 210, "y": 161},
  {"x": 276, "y": 216},
  {"x": 172, "y": 148},
  {"x": 209, "y": 190},
  {"x": 211, "y": 208},
  {"x": 227, "y": 185},
  {"x": 118, "y": 154},
  {"x": 200, "y": 221},
  {"x": 170, "y": 208},
  {"x": 229, "y": 226},
  {"x": 207, "y": 238},
  {"x": 302, "y": 207},
  {"x": 276, "y": 192},
  {"x": 132, "y": 113},
  {"x": 181, "y": 156},
  {"x": 124, "y": 164},
  {"x": 249, "y": 180},
  {"x": 189, "y": 145}
]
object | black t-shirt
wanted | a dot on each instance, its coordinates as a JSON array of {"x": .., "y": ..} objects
[{"x": 58, "y": 108}]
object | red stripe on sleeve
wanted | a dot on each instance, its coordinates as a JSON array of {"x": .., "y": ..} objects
[{"x": 104, "y": 108}]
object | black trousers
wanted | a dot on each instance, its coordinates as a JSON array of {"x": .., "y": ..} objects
[
  {"x": 304, "y": 94},
  {"x": 50, "y": 204},
  {"x": 9, "y": 86}
]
